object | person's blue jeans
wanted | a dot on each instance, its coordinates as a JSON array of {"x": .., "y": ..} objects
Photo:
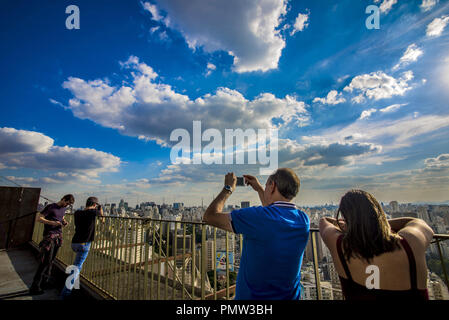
[{"x": 82, "y": 250}]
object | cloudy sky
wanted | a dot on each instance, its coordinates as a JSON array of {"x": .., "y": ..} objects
[{"x": 90, "y": 111}]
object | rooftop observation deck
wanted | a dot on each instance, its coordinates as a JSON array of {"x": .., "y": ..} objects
[
  {"x": 17, "y": 268},
  {"x": 141, "y": 259},
  {"x": 147, "y": 259}
]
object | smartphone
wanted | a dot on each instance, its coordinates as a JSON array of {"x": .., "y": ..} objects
[{"x": 240, "y": 182}]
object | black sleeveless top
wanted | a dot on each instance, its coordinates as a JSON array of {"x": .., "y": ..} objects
[{"x": 354, "y": 291}]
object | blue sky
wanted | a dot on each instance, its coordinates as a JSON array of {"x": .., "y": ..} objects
[{"x": 90, "y": 111}]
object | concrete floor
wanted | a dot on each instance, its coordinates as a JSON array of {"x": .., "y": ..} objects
[{"x": 17, "y": 269}]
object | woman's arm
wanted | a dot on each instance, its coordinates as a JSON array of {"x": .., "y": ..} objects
[
  {"x": 329, "y": 230},
  {"x": 413, "y": 228},
  {"x": 399, "y": 223}
]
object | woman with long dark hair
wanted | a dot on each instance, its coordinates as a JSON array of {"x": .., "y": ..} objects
[{"x": 376, "y": 258}]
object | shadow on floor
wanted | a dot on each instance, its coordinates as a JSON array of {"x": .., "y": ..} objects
[{"x": 17, "y": 269}]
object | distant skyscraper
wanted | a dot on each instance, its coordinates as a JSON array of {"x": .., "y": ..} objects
[
  {"x": 394, "y": 206},
  {"x": 437, "y": 289},
  {"x": 309, "y": 250},
  {"x": 178, "y": 205},
  {"x": 245, "y": 204},
  {"x": 423, "y": 214}
]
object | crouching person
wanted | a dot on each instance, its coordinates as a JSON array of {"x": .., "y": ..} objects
[
  {"x": 82, "y": 239},
  {"x": 275, "y": 236}
]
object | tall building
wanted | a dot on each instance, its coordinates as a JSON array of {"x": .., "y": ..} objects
[
  {"x": 332, "y": 275},
  {"x": 309, "y": 292},
  {"x": 124, "y": 248},
  {"x": 210, "y": 256},
  {"x": 437, "y": 289},
  {"x": 180, "y": 242},
  {"x": 446, "y": 219},
  {"x": 423, "y": 214},
  {"x": 178, "y": 205},
  {"x": 394, "y": 206},
  {"x": 221, "y": 243},
  {"x": 308, "y": 255},
  {"x": 245, "y": 204}
]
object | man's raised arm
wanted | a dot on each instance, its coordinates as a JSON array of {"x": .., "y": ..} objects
[
  {"x": 253, "y": 182},
  {"x": 213, "y": 215}
]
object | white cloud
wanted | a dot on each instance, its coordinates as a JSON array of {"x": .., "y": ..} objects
[
  {"x": 392, "y": 108},
  {"x": 55, "y": 179},
  {"x": 23, "y": 141},
  {"x": 333, "y": 98},
  {"x": 438, "y": 164},
  {"x": 412, "y": 54},
  {"x": 397, "y": 132},
  {"x": 358, "y": 99},
  {"x": 386, "y": 5},
  {"x": 153, "y": 10},
  {"x": 437, "y": 26},
  {"x": 342, "y": 78},
  {"x": 247, "y": 30},
  {"x": 301, "y": 157},
  {"x": 323, "y": 154},
  {"x": 29, "y": 149},
  {"x": 378, "y": 85},
  {"x": 151, "y": 110},
  {"x": 210, "y": 67},
  {"x": 367, "y": 113},
  {"x": 163, "y": 35},
  {"x": 142, "y": 183},
  {"x": 301, "y": 22},
  {"x": 22, "y": 180},
  {"x": 400, "y": 185},
  {"x": 427, "y": 5}
]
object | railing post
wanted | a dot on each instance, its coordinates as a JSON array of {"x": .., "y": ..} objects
[
  {"x": 153, "y": 254},
  {"x": 159, "y": 255},
  {"x": 442, "y": 263},
  {"x": 115, "y": 242},
  {"x": 175, "y": 254},
  {"x": 215, "y": 263},
  {"x": 141, "y": 255},
  {"x": 193, "y": 262},
  {"x": 167, "y": 262},
  {"x": 145, "y": 277},
  {"x": 203, "y": 261},
  {"x": 129, "y": 240},
  {"x": 183, "y": 259},
  {"x": 227, "y": 265},
  {"x": 315, "y": 265},
  {"x": 121, "y": 232}
]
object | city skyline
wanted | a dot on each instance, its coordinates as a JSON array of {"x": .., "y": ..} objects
[{"x": 90, "y": 111}]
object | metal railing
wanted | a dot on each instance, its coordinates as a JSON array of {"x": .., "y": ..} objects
[
  {"x": 139, "y": 259},
  {"x": 147, "y": 259}
]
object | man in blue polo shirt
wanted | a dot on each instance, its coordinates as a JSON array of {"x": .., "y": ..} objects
[{"x": 275, "y": 236}]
